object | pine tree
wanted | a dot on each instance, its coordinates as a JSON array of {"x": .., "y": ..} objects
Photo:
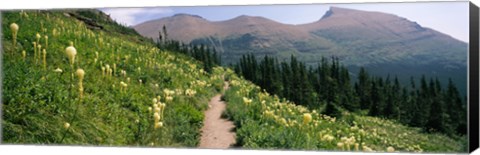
[
  {"x": 422, "y": 105},
  {"x": 456, "y": 109},
  {"x": 165, "y": 35},
  {"x": 436, "y": 117},
  {"x": 363, "y": 88},
  {"x": 375, "y": 100},
  {"x": 332, "y": 110}
]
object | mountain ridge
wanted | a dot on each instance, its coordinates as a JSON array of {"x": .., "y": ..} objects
[{"x": 358, "y": 38}]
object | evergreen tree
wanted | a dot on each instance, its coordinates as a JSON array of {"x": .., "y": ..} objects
[
  {"x": 436, "y": 117},
  {"x": 374, "y": 100},
  {"x": 165, "y": 35},
  {"x": 363, "y": 88}
]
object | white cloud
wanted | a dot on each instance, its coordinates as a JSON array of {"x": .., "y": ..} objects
[{"x": 129, "y": 16}]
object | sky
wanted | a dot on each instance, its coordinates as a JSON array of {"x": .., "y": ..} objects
[{"x": 450, "y": 18}]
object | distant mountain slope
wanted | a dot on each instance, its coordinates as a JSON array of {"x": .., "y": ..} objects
[
  {"x": 379, "y": 37},
  {"x": 375, "y": 40}
]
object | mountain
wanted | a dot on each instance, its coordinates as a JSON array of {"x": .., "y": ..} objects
[{"x": 384, "y": 43}]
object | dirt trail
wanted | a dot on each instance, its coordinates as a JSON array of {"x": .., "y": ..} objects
[{"x": 216, "y": 131}]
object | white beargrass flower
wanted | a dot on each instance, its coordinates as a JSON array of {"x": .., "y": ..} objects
[
  {"x": 71, "y": 53},
  {"x": 103, "y": 71},
  {"x": 340, "y": 146},
  {"x": 390, "y": 149},
  {"x": 247, "y": 101},
  {"x": 156, "y": 117},
  {"x": 157, "y": 109},
  {"x": 38, "y": 37},
  {"x": 169, "y": 98},
  {"x": 158, "y": 125},
  {"x": 24, "y": 55},
  {"x": 44, "y": 52},
  {"x": 66, "y": 125},
  {"x": 46, "y": 41},
  {"x": 307, "y": 118},
  {"x": 80, "y": 73},
  {"x": 58, "y": 70},
  {"x": 14, "y": 28}
]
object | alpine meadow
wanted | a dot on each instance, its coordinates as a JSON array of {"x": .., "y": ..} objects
[{"x": 78, "y": 77}]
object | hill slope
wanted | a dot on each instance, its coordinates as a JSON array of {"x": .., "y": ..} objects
[
  {"x": 265, "y": 121},
  {"x": 116, "y": 107}
]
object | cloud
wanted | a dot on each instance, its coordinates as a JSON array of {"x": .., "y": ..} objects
[{"x": 131, "y": 16}]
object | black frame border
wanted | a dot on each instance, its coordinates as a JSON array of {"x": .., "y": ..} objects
[{"x": 473, "y": 106}]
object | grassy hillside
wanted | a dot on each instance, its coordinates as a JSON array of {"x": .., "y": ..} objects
[
  {"x": 267, "y": 122},
  {"x": 40, "y": 98}
]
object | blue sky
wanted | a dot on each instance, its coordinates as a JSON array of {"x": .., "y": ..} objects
[{"x": 448, "y": 17}]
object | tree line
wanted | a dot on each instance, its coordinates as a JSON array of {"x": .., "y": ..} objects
[
  {"x": 208, "y": 56},
  {"x": 426, "y": 104}
]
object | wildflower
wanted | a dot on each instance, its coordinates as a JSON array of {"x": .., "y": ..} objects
[
  {"x": 156, "y": 117},
  {"x": 283, "y": 121},
  {"x": 114, "y": 68},
  {"x": 108, "y": 70},
  {"x": 190, "y": 92},
  {"x": 367, "y": 149},
  {"x": 38, "y": 37},
  {"x": 179, "y": 91},
  {"x": 390, "y": 149},
  {"x": 328, "y": 137},
  {"x": 66, "y": 125},
  {"x": 39, "y": 49},
  {"x": 356, "y": 147},
  {"x": 340, "y": 146},
  {"x": 44, "y": 52},
  {"x": 24, "y": 55},
  {"x": 353, "y": 128},
  {"x": 155, "y": 100},
  {"x": 58, "y": 70},
  {"x": 158, "y": 125},
  {"x": 54, "y": 32},
  {"x": 149, "y": 109},
  {"x": 162, "y": 106},
  {"x": 34, "y": 50},
  {"x": 46, "y": 41},
  {"x": 247, "y": 101},
  {"x": 123, "y": 85},
  {"x": 71, "y": 52},
  {"x": 169, "y": 98},
  {"x": 307, "y": 118},
  {"x": 103, "y": 71},
  {"x": 80, "y": 73},
  {"x": 123, "y": 73},
  {"x": 14, "y": 28}
]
